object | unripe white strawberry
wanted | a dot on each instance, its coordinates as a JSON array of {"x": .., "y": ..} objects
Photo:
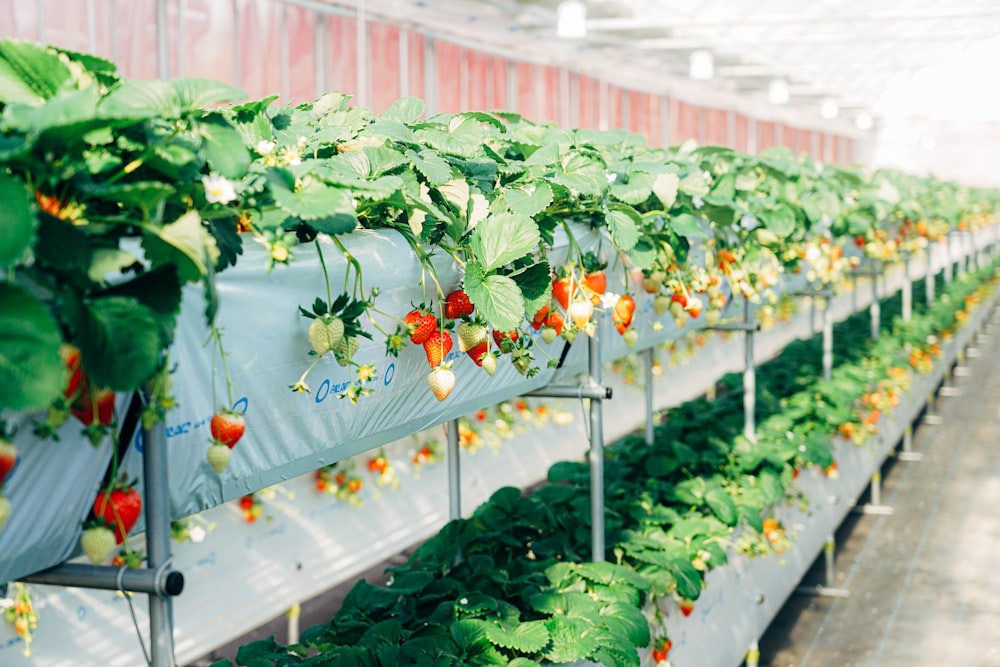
[
  {"x": 630, "y": 336},
  {"x": 325, "y": 333},
  {"x": 677, "y": 309},
  {"x": 549, "y": 334},
  {"x": 581, "y": 312},
  {"x": 489, "y": 364},
  {"x": 470, "y": 335},
  {"x": 218, "y": 457},
  {"x": 661, "y": 303},
  {"x": 345, "y": 350},
  {"x": 441, "y": 380},
  {"x": 98, "y": 543},
  {"x": 712, "y": 316}
]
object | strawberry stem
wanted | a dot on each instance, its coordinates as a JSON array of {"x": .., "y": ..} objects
[
  {"x": 326, "y": 274},
  {"x": 217, "y": 337}
]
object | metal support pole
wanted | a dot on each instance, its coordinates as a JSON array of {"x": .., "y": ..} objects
[
  {"x": 828, "y": 588},
  {"x": 907, "y": 290},
  {"x": 154, "y": 475},
  {"x": 454, "y": 472},
  {"x": 929, "y": 278},
  {"x": 854, "y": 293},
  {"x": 875, "y": 309},
  {"x": 949, "y": 265},
  {"x": 874, "y": 504},
  {"x": 749, "y": 379},
  {"x": 106, "y": 577},
  {"x": 649, "y": 358},
  {"x": 596, "y": 456},
  {"x": 827, "y": 341},
  {"x": 293, "y": 623},
  {"x": 162, "y": 45},
  {"x": 589, "y": 390},
  {"x": 753, "y": 654},
  {"x": 907, "y": 453}
]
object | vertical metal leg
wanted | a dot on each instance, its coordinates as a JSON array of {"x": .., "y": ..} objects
[
  {"x": 749, "y": 381},
  {"x": 854, "y": 293},
  {"x": 875, "y": 309},
  {"x": 454, "y": 471},
  {"x": 753, "y": 654},
  {"x": 294, "y": 612},
  {"x": 949, "y": 262},
  {"x": 875, "y": 506},
  {"x": 154, "y": 472},
  {"x": 827, "y": 341},
  {"x": 596, "y": 456},
  {"x": 650, "y": 357},
  {"x": 828, "y": 588},
  {"x": 812, "y": 317},
  {"x": 907, "y": 453}
]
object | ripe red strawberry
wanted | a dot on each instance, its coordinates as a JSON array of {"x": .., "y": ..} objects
[
  {"x": 661, "y": 651},
  {"x": 562, "y": 290},
  {"x": 218, "y": 457},
  {"x": 457, "y": 304},
  {"x": 441, "y": 381},
  {"x": 378, "y": 465},
  {"x": 246, "y": 502},
  {"x": 505, "y": 339},
  {"x": 623, "y": 313},
  {"x": 97, "y": 407},
  {"x": 556, "y": 321},
  {"x": 227, "y": 427},
  {"x": 98, "y": 542},
  {"x": 480, "y": 351},
  {"x": 71, "y": 359},
  {"x": 437, "y": 347},
  {"x": 686, "y": 606},
  {"x": 538, "y": 321},
  {"x": 694, "y": 307},
  {"x": 119, "y": 509},
  {"x": 470, "y": 335},
  {"x": 597, "y": 283},
  {"x": 421, "y": 324},
  {"x": 8, "y": 459}
]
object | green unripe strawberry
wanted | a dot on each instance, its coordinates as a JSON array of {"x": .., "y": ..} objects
[
  {"x": 470, "y": 335},
  {"x": 661, "y": 303},
  {"x": 98, "y": 543},
  {"x": 325, "y": 334},
  {"x": 345, "y": 350},
  {"x": 549, "y": 334},
  {"x": 218, "y": 457}
]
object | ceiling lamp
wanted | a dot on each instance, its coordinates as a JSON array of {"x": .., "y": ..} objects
[
  {"x": 864, "y": 121},
  {"x": 777, "y": 91},
  {"x": 829, "y": 109},
  {"x": 702, "y": 65},
  {"x": 571, "y": 20}
]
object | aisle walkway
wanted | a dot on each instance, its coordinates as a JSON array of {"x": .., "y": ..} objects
[{"x": 924, "y": 582}]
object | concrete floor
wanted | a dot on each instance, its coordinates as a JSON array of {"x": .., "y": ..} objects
[{"x": 924, "y": 582}]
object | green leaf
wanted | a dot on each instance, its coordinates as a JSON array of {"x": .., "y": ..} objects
[
  {"x": 135, "y": 99},
  {"x": 120, "y": 342},
  {"x": 623, "y": 223},
  {"x": 433, "y": 167},
  {"x": 223, "y": 147},
  {"x": 665, "y": 188},
  {"x": 326, "y": 208},
  {"x": 636, "y": 191},
  {"x": 752, "y": 517},
  {"x": 690, "y": 226},
  {"x": 642, "y": 254},
  {"x": 502, "y": 238},
  {"x": 695, "y": 184},
  {"x": 184, "y": 242},
  {"x": 534, "y": 281},
  {"x": 145, "y": 196},
  {"x": 583, "y": 173},
  {"x": 771, "y": 486},
  {"x": 626, "y": 620},
  {"x": 722, "y": 505},
  {"x": 71, "y": 112},
  {"x": 779, "y": 219},
  {"x": 497, "y": 298},
  {"x": 109, "y": 262},
  {"x": 31, "y": 370},
  {"x": 405, "y": 110},
  {"x": 62, "y": 245},
  {"x": 528, "y": 637},
  {"x": 17, "y": 222},
  {"x": 194, "y": 93},
  {"x": 528, "y": 201},
  {"x": 30, "y": 73},
  {"x": 570, "y": 641},
  {"x": 688, "y": 578}
]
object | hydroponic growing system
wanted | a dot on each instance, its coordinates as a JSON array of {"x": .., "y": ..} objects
[{"x": 339, "y": 280}]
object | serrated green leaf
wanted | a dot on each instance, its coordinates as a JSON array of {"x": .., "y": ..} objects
[
  {"x": 31, "y": 370},
  {"x": 752, "y": 517},
  {"x": 194, "y": 93},
  {"x": 405, "y": 110},
  {"x": 119, "y": 338},
  {"x": 326, "y": 208},
  {"x": 184, "y": 242},
  {"x": 69, "y": 116},
  {"x": 17, "y": 222},
  {"x": 135, "y": 99},
  {"x": 691, "y": 491},
  {"x": 107, "y": 262},
  {"x": 570, "y": 641},
  {"x": 779, "y": 219},
  {"x": 223, "y": 147},
  {"x": 529, "y": 201},
  {"x": 502, "y": 238},
  {"x": 771, "y": 485},
  {"x": 636, "y": 191},
  {"x": 616, "y": 656},
  {"x": 498, "y": 300},
  {"x": 433, "y": 167},
  {"x": 528, "y": 637},
  {"x": 695, "y": 184},
  {"x": 665, "y": 188},
  {"x": 534, "y": 282},
  {"x": 642, "y": 254},
  {"x": 688, "y": 578},
  {"x": 62, "y": 245},
  {"x": 623, "y": 224},
  {"x": 690, "y": 226},
  {"x": 30, "y": 73},
  {"x": 722, "y": 505},
  {"x": 144, "y": 196}
]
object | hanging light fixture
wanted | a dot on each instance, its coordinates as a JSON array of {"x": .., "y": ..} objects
[
  {"x": 829, "y": 109},
  {"x": 864, "y": 121},
  {"x": 571, "y": 20},
  {"x": 777, "y": 91},
  {"x": 702, "y": 65}
]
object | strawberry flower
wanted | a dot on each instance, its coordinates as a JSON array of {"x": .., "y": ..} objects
[{"x": 218, "y": 189}]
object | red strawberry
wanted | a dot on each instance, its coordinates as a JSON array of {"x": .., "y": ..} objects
[
  {"x": 556, "y": 321},
  {"x": 562, "y": 290},
  {"x": 120, "y": 509},
  {"x": 8, "y": 459},
  {"x": 246, "y": 502},
  {"x": 480, "y": 351},
  {"x": 662, "y": 650},
  {"x": 441, "y": 381},
  {"x": 227, "y": 427},
  {"x": 378, "y": 465},
  {"x": 437, "y": 347},
  {"x": 538, "y": 321},
  {"x": 686, "y": 606},
  {"x": 596, "y": 282},
  {"x": 71, "y": 359},
  {"x": 421, "y": 324},
  {"x": 457, "y": 304},
  {"x": 502, "y": 338},
  {"x": 624, "y": 311},
  {"x": 94, "y": 407}
]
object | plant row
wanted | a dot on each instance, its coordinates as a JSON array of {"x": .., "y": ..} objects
[{"x": 511, "y": 585}]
